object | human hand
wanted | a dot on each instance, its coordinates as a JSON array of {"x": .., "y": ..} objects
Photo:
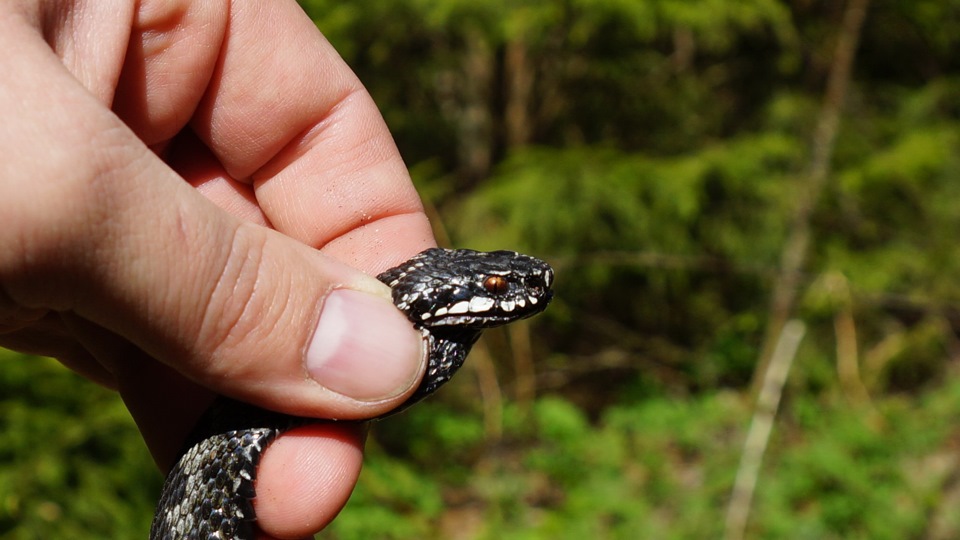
[{"x": 169, "y": 171}]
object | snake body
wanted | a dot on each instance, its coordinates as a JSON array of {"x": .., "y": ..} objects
[{"x": 449, "y": 295}]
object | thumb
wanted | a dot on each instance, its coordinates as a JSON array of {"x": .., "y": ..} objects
[
  {"x": 233, "y": 306},
  {"x": 117, "y": 239}
]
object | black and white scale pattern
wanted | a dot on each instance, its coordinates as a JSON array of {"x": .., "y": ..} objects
[
  {"x": 449, "y": 295},
  {"x": 207, "y": 477}
]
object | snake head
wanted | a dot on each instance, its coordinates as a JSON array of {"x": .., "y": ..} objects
[{"x": 471, "y": 289}]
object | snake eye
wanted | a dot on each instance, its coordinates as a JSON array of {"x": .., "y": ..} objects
[{"x": 496, "y": 284}]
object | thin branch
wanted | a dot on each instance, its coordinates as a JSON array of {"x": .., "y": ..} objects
[
  {"x": 761, "y": 426},
  {"x": 796, "y": 248}
]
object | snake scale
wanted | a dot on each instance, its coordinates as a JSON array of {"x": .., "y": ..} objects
[{"x": 449, "y": 295}]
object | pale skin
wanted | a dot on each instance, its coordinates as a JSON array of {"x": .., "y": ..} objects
[{"x": 183, "y": 186}]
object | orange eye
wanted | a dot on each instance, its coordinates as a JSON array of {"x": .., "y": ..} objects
[{"x": 496, "y": 284}]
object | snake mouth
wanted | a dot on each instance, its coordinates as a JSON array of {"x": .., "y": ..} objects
[{"x": 486, "y": 312}]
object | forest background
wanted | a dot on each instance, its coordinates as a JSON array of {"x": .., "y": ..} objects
[{"x": 737, "y": 196}]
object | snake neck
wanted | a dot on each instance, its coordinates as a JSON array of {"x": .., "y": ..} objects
[{"x": 447, "y": 350}]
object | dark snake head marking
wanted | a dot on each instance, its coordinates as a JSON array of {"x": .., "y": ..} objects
[
  {"x": 469, "y": 289},
  {"x": 449, "y": 295}
]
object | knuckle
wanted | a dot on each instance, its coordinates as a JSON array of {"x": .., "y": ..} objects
[{"x": 244, "y": 309}]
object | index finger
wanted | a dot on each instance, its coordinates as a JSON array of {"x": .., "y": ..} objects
[{"x": 289, "y": 115}]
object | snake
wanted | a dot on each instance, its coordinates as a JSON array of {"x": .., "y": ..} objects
[{"x": 449, "y": 295}]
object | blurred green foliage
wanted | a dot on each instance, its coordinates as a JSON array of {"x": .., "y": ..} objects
[
  {"x": 654, "y": 151},
  {"x": 73, "y": 463}
]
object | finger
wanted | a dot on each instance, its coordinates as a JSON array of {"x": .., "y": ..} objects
[
  {"x": 151, "y": 62},
  {"x": 113, "y": 235},
  {"x": 306, "y": 478},
  {"x": 291, "y": 116},
  {"x": 322, "y": 160},
  {"x": 193, "y": 161},
  {"x": 171, "y": 54},
  {"x": 67, "y": 29},
  {"x": 339, "y": 173}
]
